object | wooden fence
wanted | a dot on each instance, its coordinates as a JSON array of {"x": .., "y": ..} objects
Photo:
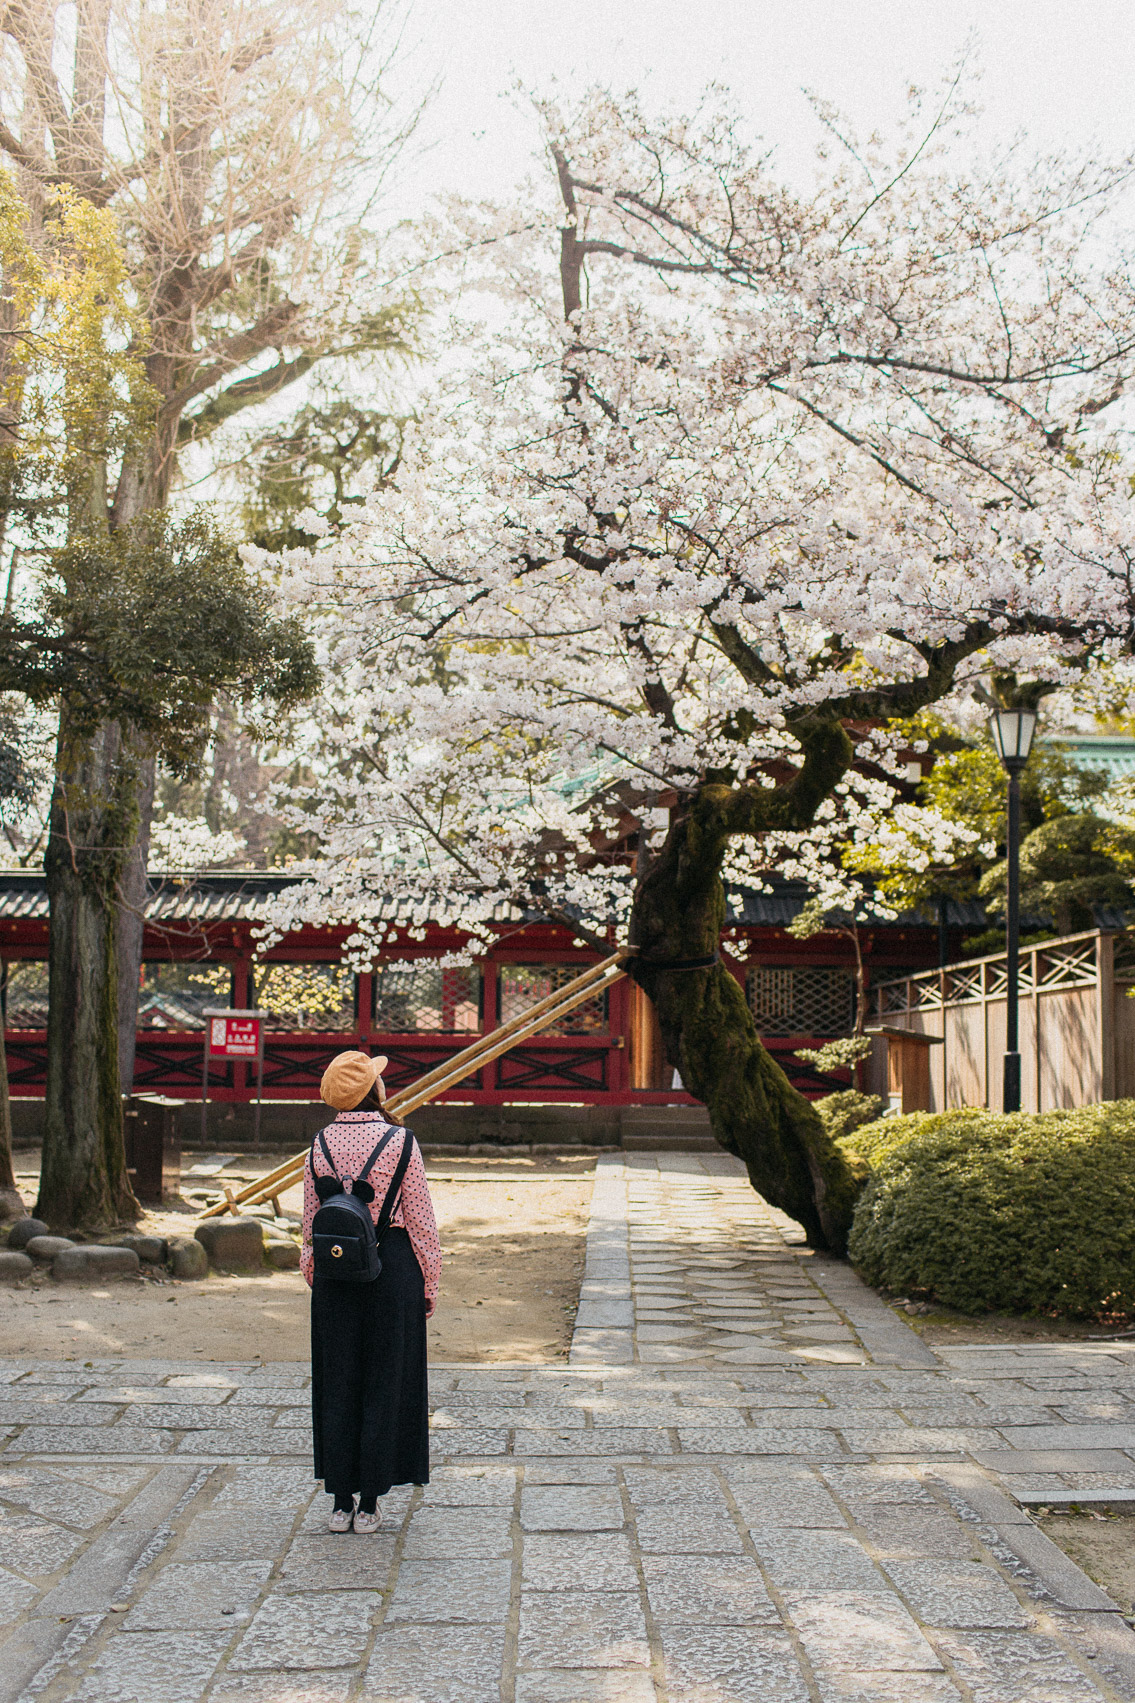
[{"x": 1077, "y": 1029}]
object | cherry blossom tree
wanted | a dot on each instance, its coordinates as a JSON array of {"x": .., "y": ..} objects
[
  {"x": 719, "y": 479},
  {"x": 866, "y": 828}
]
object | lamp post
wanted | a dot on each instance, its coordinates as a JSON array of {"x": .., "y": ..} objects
[{"x": 1012, "y": 732}]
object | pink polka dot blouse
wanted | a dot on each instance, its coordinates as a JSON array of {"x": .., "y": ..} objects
[{"x": 351, "y": 1140}]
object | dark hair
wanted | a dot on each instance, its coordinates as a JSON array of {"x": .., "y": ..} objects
[{"x": 370, "y": 1102}]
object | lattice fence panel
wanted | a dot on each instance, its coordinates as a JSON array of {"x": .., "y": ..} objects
[
  {"x": 1068, "y": 966},
  {"x": 427, "y": 999},
  {"x": 25, "y": 994},
  {"x": 521, "y": 986},
  {"x": 805, "y": 1001},
  {"x": 305, "y": 997},
  {"x": 175, "y": 995}
]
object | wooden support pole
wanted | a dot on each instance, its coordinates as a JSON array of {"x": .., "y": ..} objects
[{"x": 596, "y": 979}]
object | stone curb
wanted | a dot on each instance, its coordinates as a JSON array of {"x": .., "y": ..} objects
[{"x": 1070, "y": 1587}]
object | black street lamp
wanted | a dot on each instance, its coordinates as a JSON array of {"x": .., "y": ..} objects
[{"x": 1012, "y": 732}]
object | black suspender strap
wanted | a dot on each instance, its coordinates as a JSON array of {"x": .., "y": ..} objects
[
  {"x": 365, "y": 1172},
  {"x": 392, "y": 1192},
  {"x": 322, "y": 1140}
]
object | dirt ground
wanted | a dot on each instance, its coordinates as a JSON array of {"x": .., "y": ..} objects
[
  {"x": 942, "y": 1325},
  {"x": 512, "y": 1235},
  {"x": 1104, "y": 1546}
]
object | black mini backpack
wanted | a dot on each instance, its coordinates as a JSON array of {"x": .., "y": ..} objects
[{"x": 344, "y": 1237}]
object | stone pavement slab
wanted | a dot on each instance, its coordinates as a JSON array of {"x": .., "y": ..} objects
[{"x": 751, "y": 1482}]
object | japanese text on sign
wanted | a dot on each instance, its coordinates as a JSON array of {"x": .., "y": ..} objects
[{"x": 234, "y": 1037}]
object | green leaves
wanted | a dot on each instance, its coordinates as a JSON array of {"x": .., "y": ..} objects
[
  {"x": 1069, "y": 864},
  {"x": 985, "y": 1212},
  {"x": 146, "y": 625}
]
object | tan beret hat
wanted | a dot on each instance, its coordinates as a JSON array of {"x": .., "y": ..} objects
[{"x": 350, "y": 1077}]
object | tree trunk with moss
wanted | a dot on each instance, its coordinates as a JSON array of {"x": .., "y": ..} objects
[
  {"x": 7, "y": 1170},
  {"x": 84, "y": 1183},
  {"x": 707, "y": 1028}
]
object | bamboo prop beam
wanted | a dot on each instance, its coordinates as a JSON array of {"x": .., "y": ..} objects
[
  {"x": 597, "y": 978},
  {"x": 552, "y": 1004},
  {"x": 418, "y": 1094}
]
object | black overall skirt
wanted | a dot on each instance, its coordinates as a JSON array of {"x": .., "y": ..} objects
[{"x": 369, "y": 1398}]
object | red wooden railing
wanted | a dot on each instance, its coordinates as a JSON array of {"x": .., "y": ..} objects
[{"x": 579, "y": 1069}]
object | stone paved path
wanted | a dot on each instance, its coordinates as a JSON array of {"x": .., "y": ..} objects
[{"x": 752, "y": 1484}]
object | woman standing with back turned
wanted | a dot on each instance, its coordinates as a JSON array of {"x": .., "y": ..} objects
[{"x": 369, "y": 1400}]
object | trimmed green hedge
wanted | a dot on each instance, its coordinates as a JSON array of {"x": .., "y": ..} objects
[{"x": 1015, "y": 1214}]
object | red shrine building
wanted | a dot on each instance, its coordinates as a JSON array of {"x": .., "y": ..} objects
[{"x": 200, "y": 950}]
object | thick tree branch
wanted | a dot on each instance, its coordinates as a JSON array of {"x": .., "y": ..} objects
[
  {"x": 22, "y": 23},
  {"x": 744, "y": 658},
  {"x": 234, "y": 352},
  {"x": 718, "y": 812}
]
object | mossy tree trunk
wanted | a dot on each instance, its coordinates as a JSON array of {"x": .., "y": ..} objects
[
  {"x": 84, "y": 1183},
  {"x": 132, "y": 893},
  {"x": 7, "y": 1171},
  {"x": 707, "y": 1028}
]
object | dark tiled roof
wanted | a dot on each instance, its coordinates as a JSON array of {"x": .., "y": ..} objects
[
  {"x": 242, "y": 894},
  {"x": 202, "y": 898},
  {"x": 786, "y": 900}
]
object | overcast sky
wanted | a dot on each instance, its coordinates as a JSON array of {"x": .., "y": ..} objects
[{"x": 1064, "y": 73}]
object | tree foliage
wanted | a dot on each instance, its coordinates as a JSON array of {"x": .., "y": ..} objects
[
  {"x": 1076, "y": 848},
  {"x": 739, "y": 477},
  {"x": 236, "y": 149},
  {"x": 322, "y": 464},
  {"x": 155, "y": 619}
]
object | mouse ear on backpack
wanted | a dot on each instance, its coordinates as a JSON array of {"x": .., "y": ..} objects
[
  {"x": 363, "y": 1191},
  {"x": 325, "y": 1187}
]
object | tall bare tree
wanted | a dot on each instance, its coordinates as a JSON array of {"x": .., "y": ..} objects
[{"x": 240, "y": 145}]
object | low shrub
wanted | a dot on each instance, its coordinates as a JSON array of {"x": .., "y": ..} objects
[
  {"x": 985, "y": 1212},
  {"x": 846, "y": 1110}
]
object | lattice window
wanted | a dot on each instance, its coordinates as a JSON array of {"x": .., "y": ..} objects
[
  {"x": 907, "y": 993},
  {"x": 521, "y": 986},
  {"x": 425, "y": 998},
  {"x": 775, "y": 992},
  {"x": 25, "y": 994},
  {"x": 963, "y": 985},
  {"x": 806, "y": 1001},
  {"x": 307, "y": 996},
  {"x": 1069, "y": 966},
  {"x": 173, "y": 996}
]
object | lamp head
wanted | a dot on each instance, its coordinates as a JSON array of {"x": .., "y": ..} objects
[{"x": 1012, "y": 732}]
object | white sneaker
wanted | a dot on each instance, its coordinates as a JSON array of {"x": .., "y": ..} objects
[
  {"x": 368, "y": 1524},
  {"x": 340, "y": 1520}
]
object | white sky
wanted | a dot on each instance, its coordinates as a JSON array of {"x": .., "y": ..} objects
[{"x": 1064, "y": 73}]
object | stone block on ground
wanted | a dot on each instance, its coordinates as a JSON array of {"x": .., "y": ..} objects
[
  {"x": 94, "y": 1264},
  {"x": 45, "y": 1248},
  {"x": 24, "y": 1229},
  {"x": 283, "y": 1255},
  {"x": 187, "y": 1258},
  {"x": 14, "y": 1265},
  {"x": 232, "y": 1241},
  {"x": 11, "y": 1205},
  {"x": 151, "y": 1250}
]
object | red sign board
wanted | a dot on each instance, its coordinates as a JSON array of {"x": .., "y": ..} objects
[{"x": 234, "y": 1037}]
